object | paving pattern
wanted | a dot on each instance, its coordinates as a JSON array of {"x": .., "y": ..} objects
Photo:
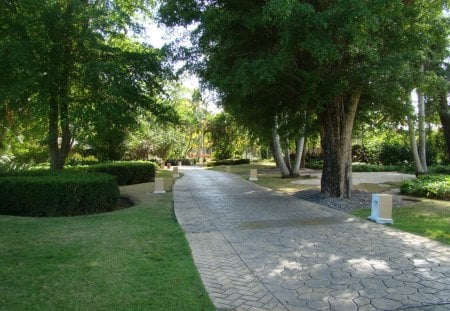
[{"x": 259, "y": 250}]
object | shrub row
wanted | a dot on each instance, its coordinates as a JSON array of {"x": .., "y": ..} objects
[
  {"x": 229, "y": 162},
  {"x": 318, "y": 164},
  {"x": 57, "y": 194},
  {"x": 127, "y": 173},
  {"x": 429, "y": 186},
  {"x": 174, "y": 162}
]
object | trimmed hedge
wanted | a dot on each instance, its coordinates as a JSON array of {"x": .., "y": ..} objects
[
  {"x": 229, "y": 162},
  {"x": 127, "y": 173},
  {"x": 58, "y": 194},
  {"x": 429, "y": 186}
]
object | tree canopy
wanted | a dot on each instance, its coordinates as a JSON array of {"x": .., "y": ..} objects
[
  {"x": 323, "y": 58},
  {"x": 71, "y": 63}
]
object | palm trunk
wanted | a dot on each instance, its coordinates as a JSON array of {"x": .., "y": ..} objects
[
  {"x": 422, "y": 133},
  {"x": 53, "y": 147},
  {"x": 412, "y": 139},
  {"x": 299, "y": 143},
  {"x": 288, "y": 155},
  {"x": 336, "y": 139},
  {"x": 444, "y": 115},
  {"x": 278, "y": 154}
]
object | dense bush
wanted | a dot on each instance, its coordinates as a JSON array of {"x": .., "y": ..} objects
[
  {"x": 174, "y": 162},
  {"x": 430, "y": 186},
  {"x": 380, "y": 168},
  {"x": 41, "y": 193},
  {"x": 314, "y": 165},
  {"x": 127, "y": 173},
  {"x": 229, "y": 162},
  {"x": 394, "y": 154},
  {"x": 439, "y": 169}
]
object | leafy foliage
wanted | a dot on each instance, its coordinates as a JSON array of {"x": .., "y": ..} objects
[
  {"x": 57, "y": 194},
  {"x": 227, "y": 138},
  {"x": 126, "y": 173},
  {"x": 229, "y": 162},
  {"x": 430, "y": 186},
  {"x": 70, "y": 64}
]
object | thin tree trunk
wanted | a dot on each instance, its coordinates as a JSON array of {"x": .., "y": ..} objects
[
  {"x": 412, "y": 140},
  {"x": 336, "y": 139},
  {"x": 53, "y": 148},
  {"x": 299, "y": 143},
  {"x": 422, "y": 132},
  {"x": 288, "y": 155},
  {"x": 303, "y": 160},
  {"x": 278, "y": 154},
  {"x": 444, "y": 115}
]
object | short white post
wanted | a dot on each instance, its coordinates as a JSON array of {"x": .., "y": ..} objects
[
  {"x": 159, "y": 185},
  {"x": 381, "y": 211},
  {"x": 253, "y": 174},
  {"x": 175, "y": 172},
  {"x": 180, "y": 163},
  {"x": 228, "y": 169}
]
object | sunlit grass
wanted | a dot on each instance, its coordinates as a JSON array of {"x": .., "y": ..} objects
[
  {"x": 132, "y": 259},
  {"x": 268, "y": 176},
  {"x": 429, "y": 218}
]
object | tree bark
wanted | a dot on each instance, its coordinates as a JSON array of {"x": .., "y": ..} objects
[
  {"x": 303, "y": 160},
  {"x": 422, "y": 132},
  {"x": 278, "y": 154},
  {"x": 53, "y": 148},
  {"x": 299, "y": 143},
  {"x": 336, "y": 139},
  {"x": 415, "y": 153},
  {"x": 444, "y": 115},
  {"x": 287, "y": 155}
]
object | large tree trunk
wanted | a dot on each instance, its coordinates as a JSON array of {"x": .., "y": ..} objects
[
  {"x": 412, "y": 139},
  {"x": 444, "y": 115},
  {"x": 336, "y": 139},
  {"x": 278, "y": 154},
  {"x": 422, "y": 133}
]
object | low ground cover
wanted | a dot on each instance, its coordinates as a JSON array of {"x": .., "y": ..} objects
[
  {"x": 428, "y": 186},
  {"x": 132, "y": 259}
]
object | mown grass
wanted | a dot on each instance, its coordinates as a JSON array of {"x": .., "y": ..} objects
[
  {"x": 429, "y": 218},
  {"x": 132, "y": 259},
  {"x": 268, "y": 176}
]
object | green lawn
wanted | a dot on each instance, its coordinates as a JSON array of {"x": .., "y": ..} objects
[
  {"x": 429, "y": 218},
  {"x": 268, "y": 176},
  {"x": 132, "y": 259}
]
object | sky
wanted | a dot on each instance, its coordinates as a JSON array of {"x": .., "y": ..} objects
[{"x": 157, "y": 36}]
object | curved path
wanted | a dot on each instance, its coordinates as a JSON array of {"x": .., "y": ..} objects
[{"x": 259, "y": 250}]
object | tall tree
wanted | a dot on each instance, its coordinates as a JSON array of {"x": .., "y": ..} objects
[
  {"x": 77, "y": 59},
  {"x": 271, "y": 57}
]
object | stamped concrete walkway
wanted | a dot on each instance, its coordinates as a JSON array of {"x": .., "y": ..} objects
[{"x": 259, "y": 250}]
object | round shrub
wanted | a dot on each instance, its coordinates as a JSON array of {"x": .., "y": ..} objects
[
  {"x": 127, "y": 173},
  {"x": 58, "y": 194}
]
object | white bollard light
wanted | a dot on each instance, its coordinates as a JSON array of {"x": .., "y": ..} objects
[
  {"x": 175, "y": 172},
  {"x": 381, "y": 211},
  {"x": 253, "y": 174},
  {"x": 159, "y": 185}
]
